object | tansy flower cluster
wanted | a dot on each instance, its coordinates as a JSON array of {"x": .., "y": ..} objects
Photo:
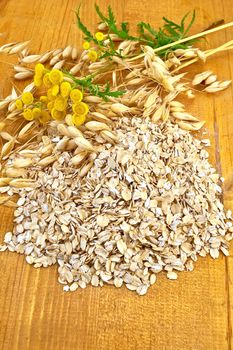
[
  {"x": 60, "y": 99},
  {"x": 92, "y": 54}
]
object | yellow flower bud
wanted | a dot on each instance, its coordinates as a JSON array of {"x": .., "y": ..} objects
[
  {"x": 55, "y": 76},
  {"x": 55, "y": 90},
  {"x": 39, "y": 70},
  {"x": 27, "y": 113},
  {"x": 57, "y": 115},
  {"x": 80, "y": 108},
  {"x": 37, "y": 80},
  {"x": 18, "y": 104},
  {"x": 78, "y": 119},
  {"x": 36, "y": 112},
  {"x": 76, "y": 95},
  {"x": 44, "y": 118},
  {"x": 46, "y": 81},
  {"x": 60, "y": 104},
  {"x": 27, "y": 98},
  {"x": 86, "y": 45},
  {"x": 92, "y": 55},
  {"x": 99, "y": 36},
  {"x": 65, "y": 88},
  {"x": 44, "y": 99}
]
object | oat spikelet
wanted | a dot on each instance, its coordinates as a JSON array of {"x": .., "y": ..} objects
[
  {"x": 191, "y": 126},
  {"x": 76, "y": 68},
  {"x": 211, "y": 79},
  {"x": 26, "y": 129},
  {"x": 199, "y": 78},
  {"x": 6, "y": 136},
  {"x": 100, "y": 117},
  {"x": 7, "y": 148},
  {"x": 46, "y": 161},
  {"x": 67, "y": 52},
  {"x": 7, "y": 201},
  {"x": 79, "y": 158},
  {"x": 109, "y": 136},
  {"x": 18, "y": 48},
  {"x": 22, "y": 162},
  {"x": 22, "y": 183},
  {"x": 96, "y": 126},
  {"x": 119, "y": 108},
  {"x": 59, "y": 65},
  {"x": 46, "y": 150},
  {"x": 74, "y": 53},
  {"x": 45, "y": 57},
  {"x": 74, "y": 132},
  {"x": 84, "y": 170},
  {"x": 4, "y": 181},
  {"x": 15, "y": 173},
  {"x": 185, "y": 116},
  {"x": 217, "y": 86},
  {"x": 158, "y": 114},
  {"x": 4, "y": 104},
  {"x": 31, "y": 59},
  {"x": 23, "y": 75},
  {"x": 63, "y": 130},
  {"x": 84, "y": 144}
]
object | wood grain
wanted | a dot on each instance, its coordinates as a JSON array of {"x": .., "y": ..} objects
[{"x": 194, "y": 312}]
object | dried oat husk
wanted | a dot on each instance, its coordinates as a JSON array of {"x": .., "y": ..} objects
[
  {"x": 191, "y": 126},
  {"x": 96, "y": 126},
  {"x": 4, "y": 181},
  {"x": 22, "y": 183},
  {"x": 84, "y": 144},
  {"x": 7, "y": 148},
  {"x": 46, "y": 161},
  {"x": 79, "y": 158}
]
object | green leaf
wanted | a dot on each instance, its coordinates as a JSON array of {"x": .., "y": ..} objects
[
  {"x": 170, "y": 32},
  {"x": 171, "y": 23},
  {"x": 111, "y": 16},
  {"x": 191, "y": 23},
  {"x": 146, "y": 26},
  {"x": 100, "y": 14},
  {"x": 83, "y": 28}
]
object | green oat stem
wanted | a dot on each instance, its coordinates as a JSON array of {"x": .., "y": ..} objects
[{"x": 99, "y": 90}]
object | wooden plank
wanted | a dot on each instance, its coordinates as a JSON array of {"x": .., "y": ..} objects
[{"x": 190, "y": 313}]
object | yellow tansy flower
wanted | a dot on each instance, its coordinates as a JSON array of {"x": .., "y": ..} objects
[
  {"x": 80, "y": 108},
  {"x": 36, "y": 112},
  {"x": 60, "y": 104},
  {"x": 55, "y": 76},
  {"x": 27, "y": 113},
  {"x": 65, "y": 88},
  {"x": 86, "y": 45},
  {"x": 50, "y": 105},
  {"x": 37, "y": 80},
  {"x": 55, "y": 90},
  {"x": 18, "y": 104},
  {"x": 57, "y": 115},
  {"x": 92, "y": 55},
  {"x": 46, "y": 81},
  {"x": 44, "y": 99},
  {"x": 50, "y": 95},
  {"x": 27, "y": 98},
  {"x": 78, "y": 119},
  {"x": 99, "y": 36},
  {"x": 39, "y": 70},
  {"x": 76, "y": 95},
  {"x": 44, "y": 118}
]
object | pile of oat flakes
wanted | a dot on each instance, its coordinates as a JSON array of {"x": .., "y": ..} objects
[{"x": 148, "y": 203}]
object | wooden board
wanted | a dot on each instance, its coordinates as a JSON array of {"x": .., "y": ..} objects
[{"x": 192, "y": 313}]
